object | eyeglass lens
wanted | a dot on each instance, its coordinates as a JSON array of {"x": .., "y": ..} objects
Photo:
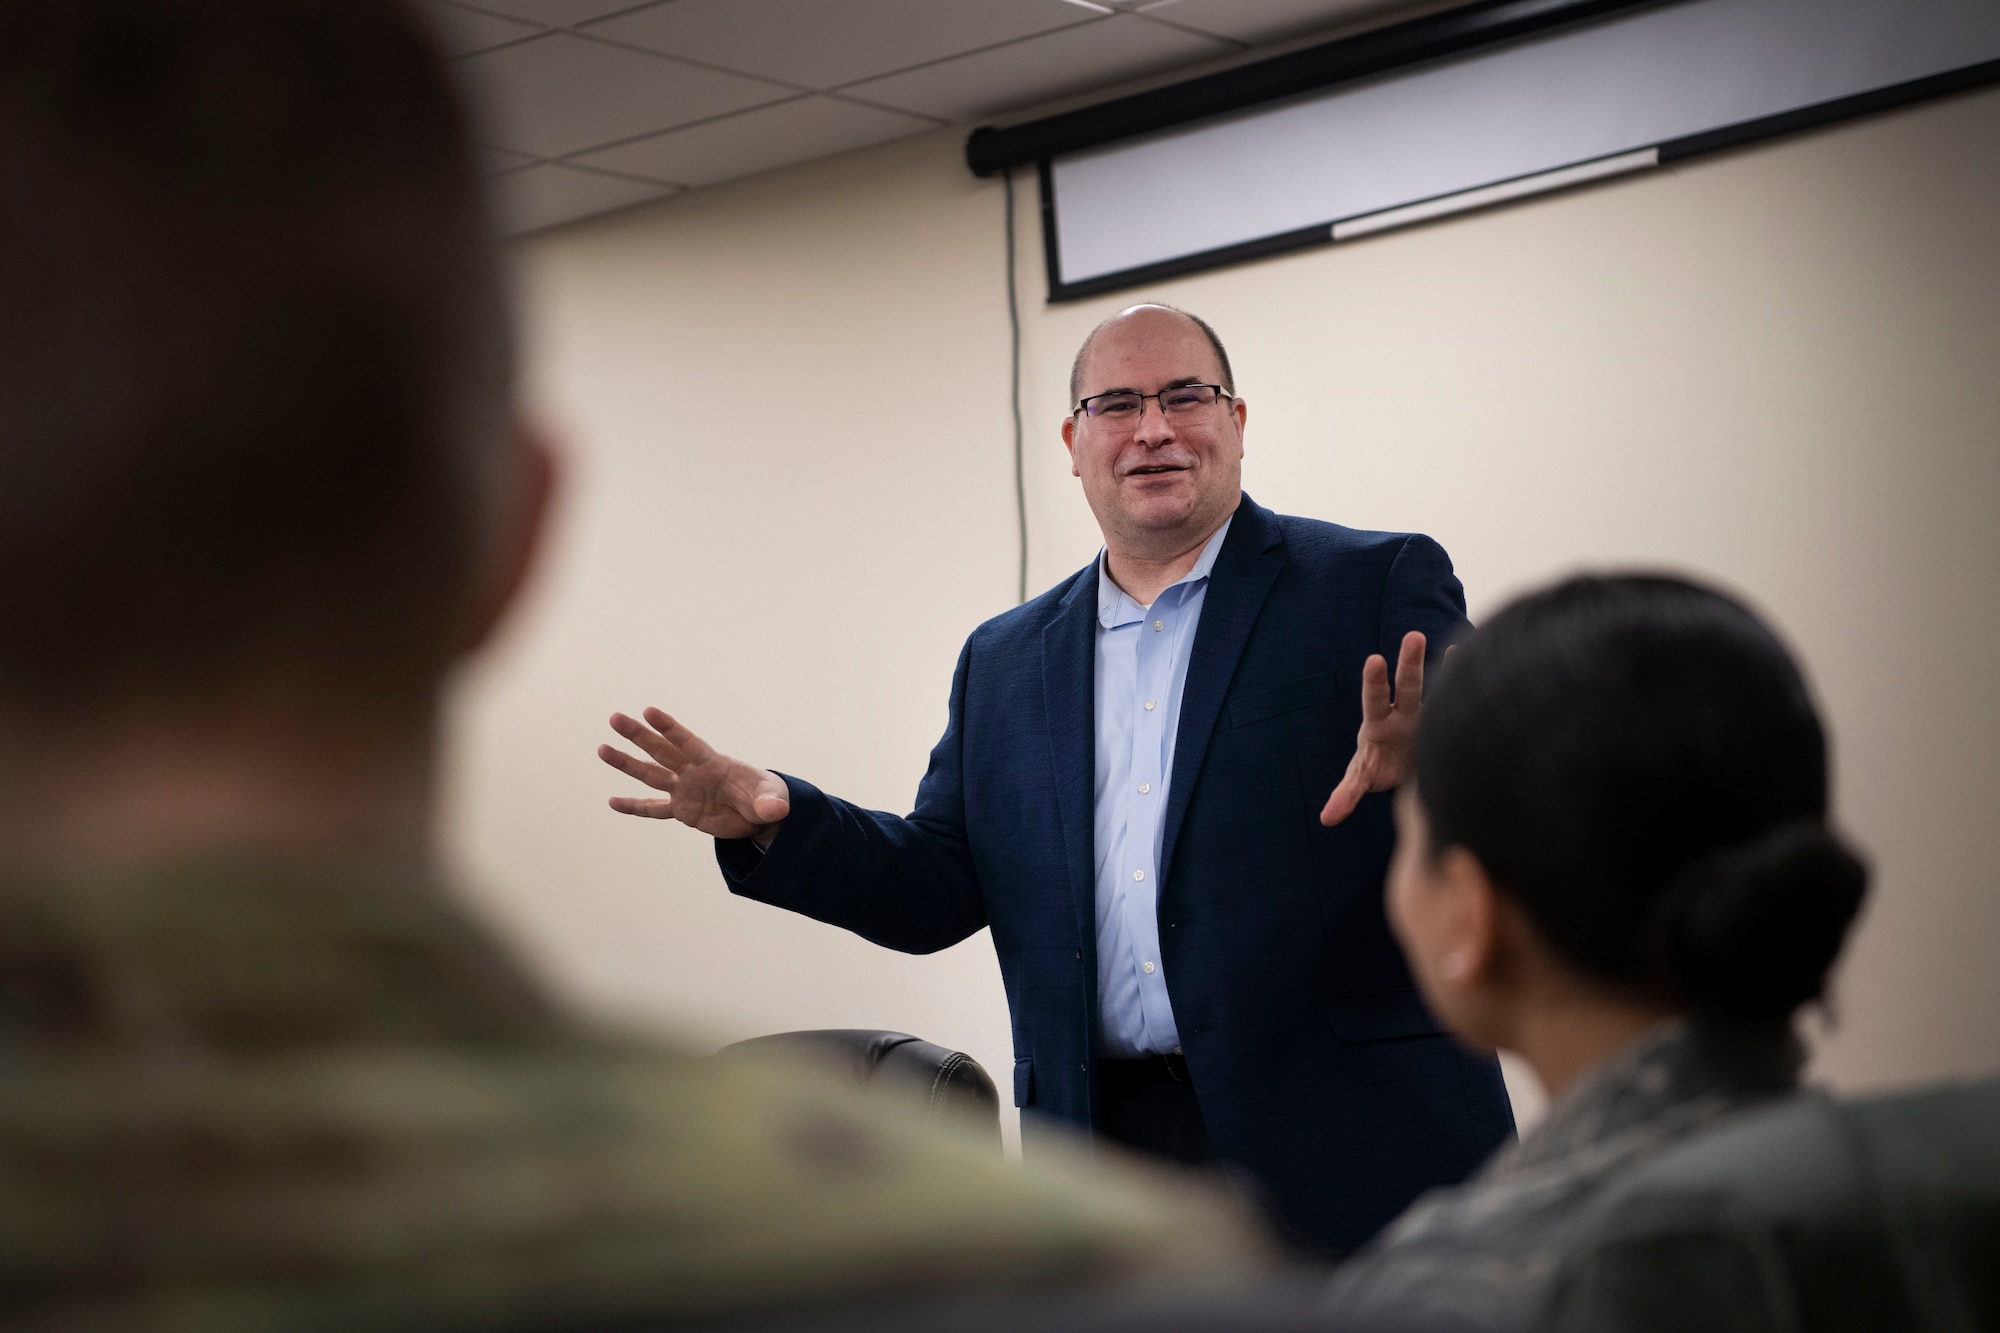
[{"x": 1173, "y": 402}]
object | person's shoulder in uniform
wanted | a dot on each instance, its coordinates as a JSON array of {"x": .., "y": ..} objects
[
  {"x": 902, "y": 1208},
  {"x": 246, "y": 1100},
  {"x": 615, "y": 1181},
  {"x": 1876, "y": 1212}
]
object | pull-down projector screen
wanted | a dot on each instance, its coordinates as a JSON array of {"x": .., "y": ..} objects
[{"x": 1597, "y": 99}]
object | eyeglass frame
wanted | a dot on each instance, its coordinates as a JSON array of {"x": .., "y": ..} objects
[{"x": 1083, "y": 404}]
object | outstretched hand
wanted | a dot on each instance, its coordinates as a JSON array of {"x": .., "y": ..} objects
[
  {"x": 1383, "y": 747},
  {"x": 704, "y": 789}
]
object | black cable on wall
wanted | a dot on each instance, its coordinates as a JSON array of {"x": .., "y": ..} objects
[{"x": 1014, "y": 336}]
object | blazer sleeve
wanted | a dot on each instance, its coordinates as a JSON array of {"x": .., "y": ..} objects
[
  {"x": 907, "y": 883},
  {"x": 1421, "y": 592}
]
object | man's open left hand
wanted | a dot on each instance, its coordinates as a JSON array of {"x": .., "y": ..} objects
[{"x": 1384, "y": 749}]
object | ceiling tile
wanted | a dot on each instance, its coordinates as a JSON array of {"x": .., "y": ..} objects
[
  {"x": 462, "y": 31},
  {"x": 826, "y": 43},
  {"x": 551, "y": 193},
  {"x": 1059, "y": 64},
  {"x": 555, "y": 13},
  {"x": 753, "y": 141},
  {"x": 561, "y": 94},
  {"x": 1259, "y": 21}
]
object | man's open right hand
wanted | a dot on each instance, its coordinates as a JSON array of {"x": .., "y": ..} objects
[{"x": 702, "y": 788}]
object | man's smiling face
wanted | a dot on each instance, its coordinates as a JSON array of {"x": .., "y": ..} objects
[{"x": 1167, "y": 482}]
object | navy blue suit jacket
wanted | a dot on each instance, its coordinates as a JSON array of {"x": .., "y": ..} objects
[{"x": 1317, "y": 1066}]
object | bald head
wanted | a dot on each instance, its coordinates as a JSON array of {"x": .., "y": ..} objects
[
  {"x": 1147, "y": 313},
  {"x": 1159, "y": 482}
]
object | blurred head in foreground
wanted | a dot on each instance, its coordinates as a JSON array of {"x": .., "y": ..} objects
[
  {"x": 259, "y": 484},
  {"x": 1620, "y": 805},
  {"x": 260, "y": 487}
]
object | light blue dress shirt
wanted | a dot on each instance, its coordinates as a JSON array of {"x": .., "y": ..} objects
[{"x": 1142, "y": 665}]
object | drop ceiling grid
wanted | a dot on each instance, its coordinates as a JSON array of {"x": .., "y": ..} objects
[
  {"x": 709, "y": 39},
  {"x": 579, "y": 110}
]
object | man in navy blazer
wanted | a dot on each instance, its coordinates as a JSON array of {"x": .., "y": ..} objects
[{"x": 1129, "y": 794}]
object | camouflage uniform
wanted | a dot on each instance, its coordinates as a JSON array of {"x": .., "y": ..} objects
[
  {"x": 234, "y": 1097},
  {"x": 1485, "y": 1253}
]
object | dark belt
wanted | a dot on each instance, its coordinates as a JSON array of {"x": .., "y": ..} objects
[{"x": 1173, "y": 1062}]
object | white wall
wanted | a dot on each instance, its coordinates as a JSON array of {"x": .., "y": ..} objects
[{"x": 791, "y": 498}]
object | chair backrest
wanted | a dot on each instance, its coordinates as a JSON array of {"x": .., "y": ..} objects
[
  {"x": 954, "y": 1089},
  {"x": 1881, "y": 1212}
]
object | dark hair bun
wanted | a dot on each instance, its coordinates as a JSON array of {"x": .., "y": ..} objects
[{"x": 1749, "y": 932}]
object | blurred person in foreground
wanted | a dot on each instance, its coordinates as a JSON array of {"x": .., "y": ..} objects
[
  {"x": 1615, "y": 860},
  {"x": 260, "y": 489}
]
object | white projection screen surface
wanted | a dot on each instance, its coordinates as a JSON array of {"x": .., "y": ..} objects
[{"x": 1184, "y": 198}]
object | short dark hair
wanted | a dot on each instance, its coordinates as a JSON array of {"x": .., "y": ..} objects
[
  {"x": 254, "y": 355},
  {"x": 1214, "y": 341},
  {"x": 1637, "y": 762}
]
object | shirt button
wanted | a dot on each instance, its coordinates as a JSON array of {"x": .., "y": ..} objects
[
  {"x": 1145, "y": 787},
  {"x": 1151, "y": 704},
  {"x": 1138, "y": 874},
  {"x": 1149, "y": 969},
  {"x": 1159, "y": 625}
]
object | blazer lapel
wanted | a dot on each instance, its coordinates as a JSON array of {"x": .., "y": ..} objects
[
  {"x": 1245, "y": 568},
  {"x": 1069, "y": 701}
]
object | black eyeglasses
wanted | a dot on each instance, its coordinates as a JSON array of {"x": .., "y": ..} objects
[{"x": 1182, "y": 400}]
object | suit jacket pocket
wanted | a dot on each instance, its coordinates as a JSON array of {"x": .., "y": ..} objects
[
  {"x": 1381, "y": 1016},
  {"x": 1277, "y": 700},
  {"x": 1024, "y": 1081}
]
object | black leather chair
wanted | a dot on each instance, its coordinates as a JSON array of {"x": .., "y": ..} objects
[{"x": 955, "y": 1090}]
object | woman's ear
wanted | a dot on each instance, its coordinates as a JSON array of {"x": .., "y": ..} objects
[
  {"x": 1449, "y": 919},
  {"x": 1474, "y": 912},
  {"x": 1471, "y": 968}
]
